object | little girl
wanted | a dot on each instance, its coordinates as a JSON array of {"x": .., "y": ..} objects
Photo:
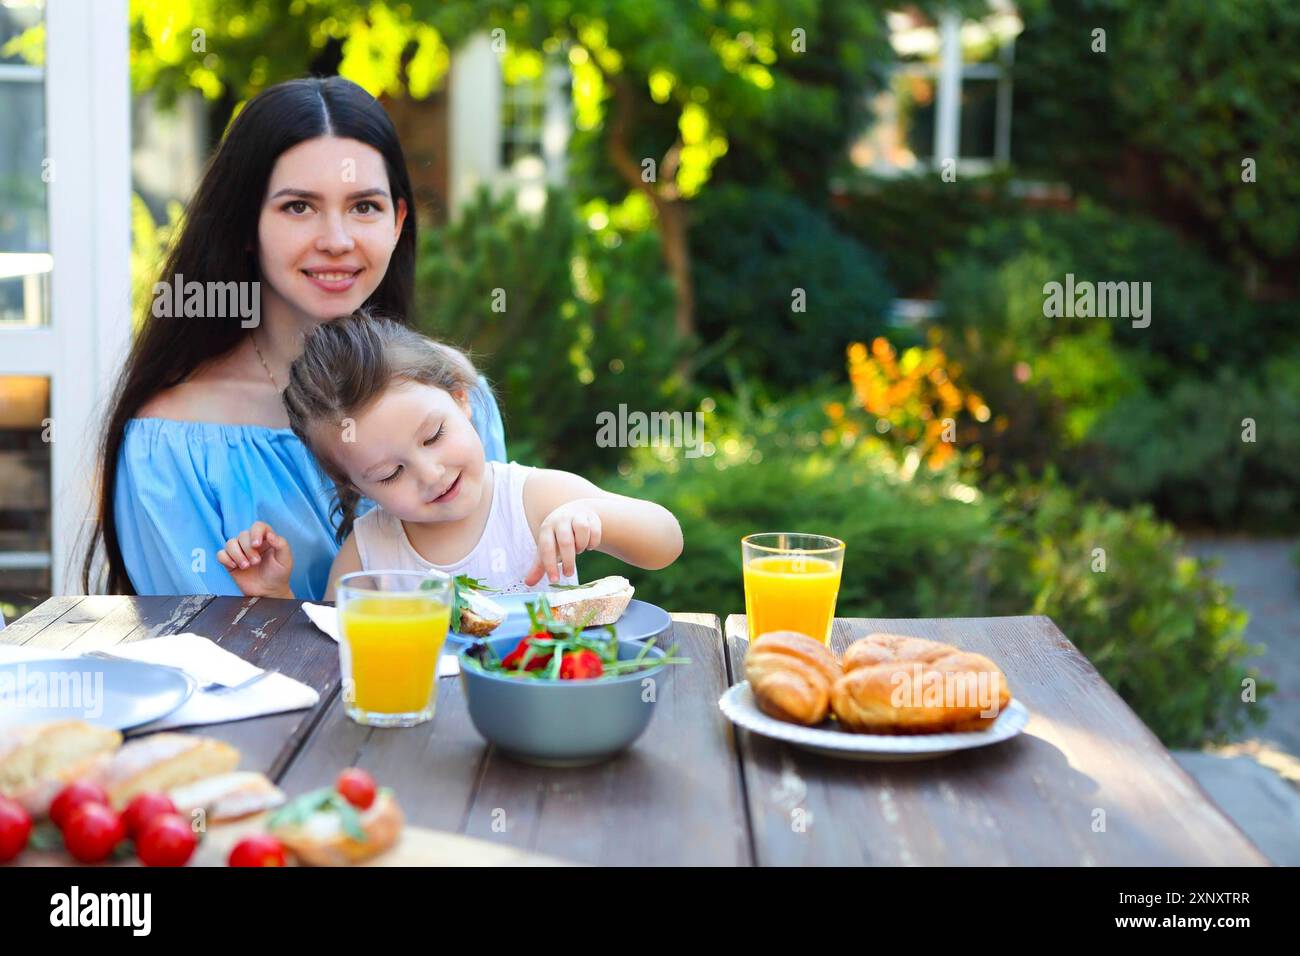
[{"x": 386, "y": 412}]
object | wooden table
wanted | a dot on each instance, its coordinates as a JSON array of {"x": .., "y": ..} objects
[{"x": 1087, "y": 783}]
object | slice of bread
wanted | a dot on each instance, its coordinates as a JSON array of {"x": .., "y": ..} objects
[
  {"x": 163, "y": 761},
  {"x": 479, "y": 615},
  {"x": 320, "y": 840},
  {"x": 606, "y": 598},
  {"x": 228, "y": 796}
]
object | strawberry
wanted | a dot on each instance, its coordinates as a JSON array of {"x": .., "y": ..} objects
[{"x": 581, "y": 665}]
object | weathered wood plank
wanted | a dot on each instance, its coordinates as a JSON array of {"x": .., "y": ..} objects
[
  {"x": 277, "y": 634},
  {"x": 98, "y": 622},
  {"x": 23, "y": 629},
  {"x": 1085, "y": 761}
]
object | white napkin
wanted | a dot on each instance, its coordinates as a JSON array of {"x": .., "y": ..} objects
[
  {"x": 326, "y": 620},
  {"x": 205, "y": 662}
]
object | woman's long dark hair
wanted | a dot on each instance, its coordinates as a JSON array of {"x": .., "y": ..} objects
[{"x": 218, "y": 243}]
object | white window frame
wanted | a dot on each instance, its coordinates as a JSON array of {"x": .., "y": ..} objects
[
  {"x": 477, "y": 93},
  {"x": 87, "y": 110},
  {"x": 949, "y": 74},
  {"x": 953, "y": 72}
]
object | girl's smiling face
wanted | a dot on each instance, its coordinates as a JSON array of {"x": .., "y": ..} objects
[
  {"x": 328, "y": 226},
  {"x": 413, "y": 450}
]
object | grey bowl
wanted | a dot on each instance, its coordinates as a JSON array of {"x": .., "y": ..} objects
[{"x": 561, "y": 723}]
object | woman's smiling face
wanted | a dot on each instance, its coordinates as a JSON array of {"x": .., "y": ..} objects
[
  {"x": 328, "y": 226},
  {"x": 414, "y": 451}
]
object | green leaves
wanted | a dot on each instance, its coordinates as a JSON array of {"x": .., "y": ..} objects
[
  {"x": 460, "y": 584},
  {"x": 560, "y": 638},
  {"x": 297, "y": 811}
]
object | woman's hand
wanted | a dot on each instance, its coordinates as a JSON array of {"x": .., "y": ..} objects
[
  {"x": 260, "y": 561},
  {"x": 564, "y": 534}
]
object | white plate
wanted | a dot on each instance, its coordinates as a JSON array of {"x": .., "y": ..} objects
[{"x": 738, "y": 704}]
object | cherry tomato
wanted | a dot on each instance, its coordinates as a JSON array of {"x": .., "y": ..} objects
[
  {"x": 257, "y": 850},
  {"x": 71, "y": 797},
  {"x": 166, "y": 840},
  {"x": 357, "y": 787},
  {"x": 93, "y": 832},
  {"x": 142, "y": 809},
  {"x": 15, "y": 828}
]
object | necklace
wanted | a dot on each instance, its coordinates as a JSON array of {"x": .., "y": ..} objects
[{"x": 263, "y": 361}]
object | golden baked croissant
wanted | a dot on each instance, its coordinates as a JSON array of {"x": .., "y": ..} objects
[
  {"x": 791, "y": 676},
  {"x": 907, "y": 685}
]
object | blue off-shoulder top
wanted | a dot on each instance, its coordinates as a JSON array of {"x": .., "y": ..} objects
[{"x": 185, "y": 488}]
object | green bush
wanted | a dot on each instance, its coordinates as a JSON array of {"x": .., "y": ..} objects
[
  {"x": 1052, "y": 381},
  {"x": 913, "y": 221},
  {"x": 1194, "y": 453},
  {"x": 1157, "y": 626},
  {"x": 1199, "y": 318},
  {"x": 1165, "y": 117},
  {"x": 750, "y": 250},
  {"x": 580, "y": 326}
]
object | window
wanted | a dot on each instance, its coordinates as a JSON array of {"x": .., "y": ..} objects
[
  {"x": 64, "y": 275},
  {"x": 25, "y": 260},
  {"x": 535, "y": 128},
  {"x": 948, "y": 98},
  {"x": 523, "y": 115},
  {"x": 25, "y": 266}
]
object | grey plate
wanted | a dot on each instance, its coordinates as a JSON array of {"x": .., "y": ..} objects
[
  {"x": 640, "y": 622},
  {"x": 738, "y": 704},
  {"x": 112, "y": 694}
]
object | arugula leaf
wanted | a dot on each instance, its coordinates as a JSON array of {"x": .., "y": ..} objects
[
  {"x": 45, "y": 836},
  {"x": 460, "y": 584},
  {"x": 349, "y": 818}
]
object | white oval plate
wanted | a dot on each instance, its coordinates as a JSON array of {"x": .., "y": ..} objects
[{"x": 739, "y": 707}]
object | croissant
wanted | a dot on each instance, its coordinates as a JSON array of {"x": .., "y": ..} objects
[
  {"x": 791, "y": 675},
  {"x": 907, "y": 685}
]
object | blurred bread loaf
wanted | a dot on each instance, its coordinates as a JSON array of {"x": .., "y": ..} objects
[
  {"x": 163, "y": 761},
  {"x": 228, "y": 796},
  {"x": 37, "y": 760}
]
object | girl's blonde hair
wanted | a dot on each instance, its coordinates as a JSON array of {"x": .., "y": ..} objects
[{"x": 348, "y": 363}]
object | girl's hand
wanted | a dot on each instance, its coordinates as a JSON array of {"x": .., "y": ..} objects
[
  {"x": 565, "y": 533},
  {"x": 260, "y": 561}
]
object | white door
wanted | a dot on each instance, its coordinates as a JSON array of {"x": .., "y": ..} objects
[{"x": 64, "y": 268}]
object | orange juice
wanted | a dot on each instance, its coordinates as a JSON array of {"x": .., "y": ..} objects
[
  {"x": 393, "y": 645},
  {"x": 791, "y": 593}
]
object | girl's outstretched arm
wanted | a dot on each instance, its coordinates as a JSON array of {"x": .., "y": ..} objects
[{"x": 569, "y": 515}]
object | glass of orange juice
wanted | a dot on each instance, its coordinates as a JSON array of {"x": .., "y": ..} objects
[
  {"x": 791, "y": 582},
  {"x": 392, "y": 625}
]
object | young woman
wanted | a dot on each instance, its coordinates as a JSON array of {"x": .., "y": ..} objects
[{"x": 309, "y": 198}]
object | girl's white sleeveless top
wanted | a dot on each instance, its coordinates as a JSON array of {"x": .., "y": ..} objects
[{"x": 504, "y": 553}]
